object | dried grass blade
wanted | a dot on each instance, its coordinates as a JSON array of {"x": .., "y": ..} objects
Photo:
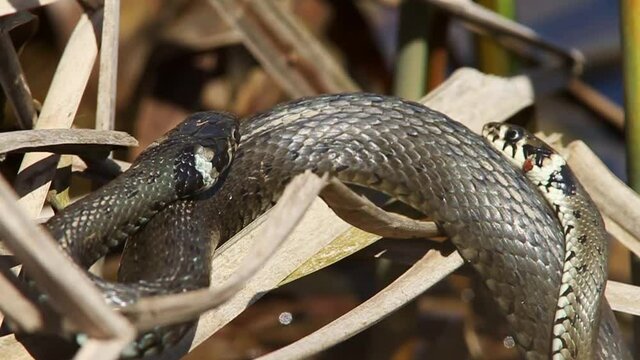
[
  {"x": 289, "y": 53},
  {"x": 623, "y": 297},
  {"x": 613, "y": 197},
  {"x": 106, "y": 112},
  {"x": 432, "y": 268},
  {"x": 62, "y": 100},
  {"x": 469, "y": 96}
]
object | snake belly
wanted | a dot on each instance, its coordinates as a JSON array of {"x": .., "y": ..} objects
[{"x": 497, "y": 220}]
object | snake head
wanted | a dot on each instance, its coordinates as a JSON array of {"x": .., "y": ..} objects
[
  {"x": 211, "y": 139},
  {"x": 522, "y": 148}
]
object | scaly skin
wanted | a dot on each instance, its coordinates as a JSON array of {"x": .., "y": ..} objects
[
  {"x": 497, "y": 220},
  {"x": 578, "y": 313}
]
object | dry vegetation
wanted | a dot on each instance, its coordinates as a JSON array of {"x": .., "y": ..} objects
[{"x": 210, "y": 39}]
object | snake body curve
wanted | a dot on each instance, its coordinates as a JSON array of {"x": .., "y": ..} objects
[
  {"x": 577, "y": 317},
  {"x": 499, "y": 223}
]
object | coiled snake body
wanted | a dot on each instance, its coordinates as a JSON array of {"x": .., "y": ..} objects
[
  {"x": 499, "y": 223},
  {"x": 577, "y": 317}
]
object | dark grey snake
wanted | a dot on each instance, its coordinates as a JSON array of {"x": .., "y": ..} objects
[{"x": 498, "y": 221}]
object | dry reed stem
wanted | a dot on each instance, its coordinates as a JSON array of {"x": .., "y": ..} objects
[
  {"x": 622, "y": 236},
  {"x": 425, "y": 273},
  {"x": 64, "y": 141},
  {"x": 613, "y": 197},
  {"x": 287, "y": 51},
  {"x": 502, "y": 26},
  {"x": 27, "y": 316},
  {"x": 61, "y": 104},
  {"x": 627, "y": 297},
  {"x": 107, "y": 82},
  {"x": 597, "y": 102}
]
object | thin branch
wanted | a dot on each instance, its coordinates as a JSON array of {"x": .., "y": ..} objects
[
  {"x": 597, "y": 102},
  {"x": 475, "y": 97},
  {"x": 61, "y": 104},
  {"x": 23, "y": 313},
  {"x": 107, "y": 83},
  {"x": 289, "y": 53},
  {"x": 489, "y": 20},
  {"x": 64, "y": 141},
  {"x": 362, "y": 213}
]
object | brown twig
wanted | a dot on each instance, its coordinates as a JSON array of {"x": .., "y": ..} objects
[
  {"x": 64, "y": 141},
  {"x": 489, "y": 20},
  {"x": 107, "y": 83},
  {"x": 597, "y": 102}
]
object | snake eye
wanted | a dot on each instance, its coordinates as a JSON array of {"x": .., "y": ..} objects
[{"x": 513, "y": 135}]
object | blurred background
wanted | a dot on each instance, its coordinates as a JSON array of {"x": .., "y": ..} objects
[{"x": 180, "y": 56}]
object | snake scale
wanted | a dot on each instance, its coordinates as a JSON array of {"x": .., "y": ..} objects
[
  {"x": 499, "y": 222},
  {"x": 577, "y": 318}
]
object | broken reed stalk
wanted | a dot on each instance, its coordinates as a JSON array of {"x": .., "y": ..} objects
[
  {"x": 107, "y": 82},
  {"x": 60, "y": 106},
  {"x": 287, "y": 51},
  {"x": 63, "y": 141}
]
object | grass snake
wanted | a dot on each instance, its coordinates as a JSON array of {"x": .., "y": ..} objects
[{"x": 499, "y": 222}]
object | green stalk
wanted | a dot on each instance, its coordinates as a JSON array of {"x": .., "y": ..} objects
[
  {"x": 629, "y": 15},
  {"x": 492, "y": 58},
  {"x": 410, "y": 80}
]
